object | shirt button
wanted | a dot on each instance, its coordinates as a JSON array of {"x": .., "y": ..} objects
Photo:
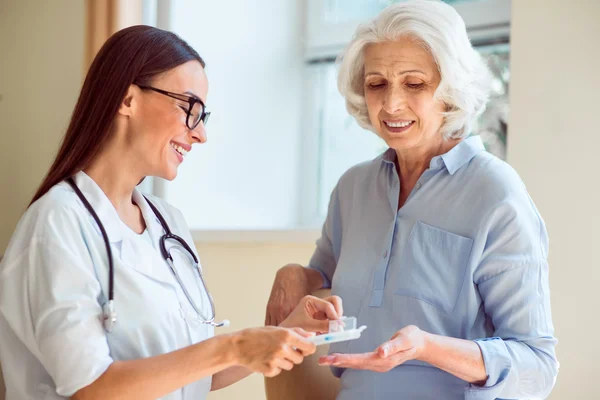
[
  {"x": 385, "y": 254},
  {"x": 418, "y": 185}
]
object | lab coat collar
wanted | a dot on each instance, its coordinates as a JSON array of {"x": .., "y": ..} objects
[
  {"x": 137, "y": 254},
  {"x": 102, "y": 206},
  {"x": 115, "y": 228},
  {"x": 152, "y": 223}
]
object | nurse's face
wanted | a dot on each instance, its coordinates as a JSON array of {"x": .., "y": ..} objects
[{"x": 160, "y": 137}]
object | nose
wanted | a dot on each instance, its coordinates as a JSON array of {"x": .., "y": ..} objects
[
  {"x": 199, "y": 133},
  {"x": 394, "y": 100}
]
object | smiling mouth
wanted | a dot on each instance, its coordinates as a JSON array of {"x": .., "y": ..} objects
[
  {"x": 179, "y": 149},
  {"x": 402, "y": 124}
]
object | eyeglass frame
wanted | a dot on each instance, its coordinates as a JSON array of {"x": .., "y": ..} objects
[{"x": 191, "y": 100}]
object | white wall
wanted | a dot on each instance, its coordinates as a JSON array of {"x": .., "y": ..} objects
[
  {"x": 553, "y": 143},
  {"x": 246, "y": 175}
]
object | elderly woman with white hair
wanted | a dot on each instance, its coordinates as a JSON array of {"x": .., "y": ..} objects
[{"x": 435, "y": 245}]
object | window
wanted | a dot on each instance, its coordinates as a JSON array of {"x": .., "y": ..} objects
[
  {"x": 246, "y": 176},
  {"x": 279, "y": 135}
]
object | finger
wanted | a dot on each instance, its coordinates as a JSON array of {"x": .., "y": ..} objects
[
  {"x": 285, "y": 364},
  {"x": 355, "y": 361},
  {"x": 321, "y": 305},
  {"x": 393, "y": 346},
  {"x": 337, "y": 304},
  {"x": 320, "y": 315},
  {"x": 401, "y": 357},
  {"x": 320, "y": 326},
  {"x": 294, "y": 356},
  {"x": 268, "y": 319},
  {"x": 315, "y": 325},
  {"x": 303, "y": 333},
  {"x": 326, "y": 360},
  {"x": 272, "y": 372},
  {"x": 300, "y": 343},
  {"x": 344, "y": 362},
  {"x": 378, "y": 365},
  {"x": 395, "y": 335}
]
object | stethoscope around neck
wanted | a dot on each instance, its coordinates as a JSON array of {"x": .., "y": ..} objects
[{"x": 109, "y": 313}]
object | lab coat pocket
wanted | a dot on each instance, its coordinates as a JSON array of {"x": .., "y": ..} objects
[{"x": 433, "y": 265}]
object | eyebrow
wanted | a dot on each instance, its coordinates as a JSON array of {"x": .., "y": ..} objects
[
  {"x": 192, "y": 94},
  {"x": 401, "y": 73}
]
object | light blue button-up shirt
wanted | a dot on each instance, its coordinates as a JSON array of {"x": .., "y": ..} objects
[{"x": 465, "y": 257}]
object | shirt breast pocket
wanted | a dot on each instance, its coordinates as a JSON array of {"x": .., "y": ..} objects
[{"x": 433, "y": 266}]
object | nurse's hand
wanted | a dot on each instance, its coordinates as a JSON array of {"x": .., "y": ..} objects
[
  {"x": 406, "y": 344},
  {"x": 313, "y": 314},
  {"x": 270, "y": 350},
  {"x": 292, "y": 283}
]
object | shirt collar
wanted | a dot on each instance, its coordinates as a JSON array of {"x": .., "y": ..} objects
[
  {"x": 389, "y": 156},
  {"x": 454, "y": 160},
  {"x": 462, "y": 153}
]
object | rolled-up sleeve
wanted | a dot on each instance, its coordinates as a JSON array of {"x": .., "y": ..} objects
[
  {"x": 50, "y": 298},
  {"x": 513, "y": 282},
  {"x": 326, "y": 254}
]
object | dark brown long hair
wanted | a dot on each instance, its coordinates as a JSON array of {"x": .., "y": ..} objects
[{"x": 132, "y": 55}]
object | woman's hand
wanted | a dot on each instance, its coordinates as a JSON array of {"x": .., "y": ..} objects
[
  {"x": 269, "y": 350},
  {"x": 313, "y": 314},
  {"x": 408, "y": 343},
  {"x": 291, "y": 284}
]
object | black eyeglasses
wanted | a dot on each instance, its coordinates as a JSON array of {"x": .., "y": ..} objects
[{"x": 196, "y": 110}]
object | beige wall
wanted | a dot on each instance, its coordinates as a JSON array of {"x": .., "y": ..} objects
[
  {"x": 41, "y": 69},
  {"x": 239, "y": 276},
  {"x": 553, "y": 142}
]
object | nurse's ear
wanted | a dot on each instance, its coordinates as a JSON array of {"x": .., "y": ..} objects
[{"x": 130, "y": 101}]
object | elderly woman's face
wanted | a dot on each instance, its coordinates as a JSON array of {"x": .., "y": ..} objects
[{"x": 400, "y": 80}]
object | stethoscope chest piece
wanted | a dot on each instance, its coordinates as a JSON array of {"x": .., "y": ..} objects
[{"x": 109, "y": 315}]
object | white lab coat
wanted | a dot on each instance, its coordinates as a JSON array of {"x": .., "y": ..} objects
[{"x": 54, "y": 281}]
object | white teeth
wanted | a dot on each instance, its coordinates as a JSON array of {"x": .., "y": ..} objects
[
  {"x": 179, "y": 149},
  {"x": 398, "y": 124}
]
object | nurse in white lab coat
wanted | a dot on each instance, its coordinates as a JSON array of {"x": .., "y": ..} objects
[{"x": 141, "y": 108}]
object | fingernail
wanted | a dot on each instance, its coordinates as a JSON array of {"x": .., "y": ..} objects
[
  {"x": 326, "y": 360},
  {"x": 385, "y": 350}
]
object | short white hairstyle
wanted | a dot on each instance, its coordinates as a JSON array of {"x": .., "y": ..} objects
[{"x": 465, "y": 78}]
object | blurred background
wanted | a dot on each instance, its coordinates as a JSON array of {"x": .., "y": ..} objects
[{"x": 255, "y": 195}]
